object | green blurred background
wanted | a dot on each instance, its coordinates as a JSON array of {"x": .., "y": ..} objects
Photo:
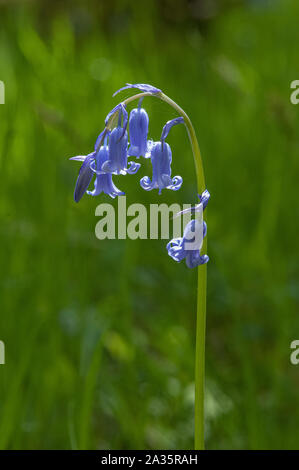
[{"x": 99, "y": 335}]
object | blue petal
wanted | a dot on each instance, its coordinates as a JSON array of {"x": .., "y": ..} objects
[
  {"x": 138, "y": 127},
  {"x": 84, "y": 178},
  {"x": 120, "y": 108},
  {"x": 169, "y": 125},
  {"x": 100, "y": 139},
  {"x": 97, "y": 172},
  {"x": 117, "y": 108},
  {"x": 175, "y": 249},
  {"x": 140, "y": 86},
  {"x": 177, "y": 182},
  {"x": 166, "y": 180},
  {"x": 204, "y": 231},
  {"x": 104, "y": 183},
  {"x": 133, "y": 168},
  {"x": 125, "y": 120},
  {"x": 111, "y": 113},
  {"x": 204, "y": 198},
  {"x": 194, "y": 259},
  {"x": 78, "y": 158},
  {"x": 146, "y": 183},
  {"x": 107, "y": 167}
]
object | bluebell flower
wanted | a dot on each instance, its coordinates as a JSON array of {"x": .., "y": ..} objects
[
  {"x": 117, "y": 162},
  {"x": 161, "y": 158},
  {"x": 138, "y": 128},
  {"x": 195, "y": 231},
  {"x": 189, "y": 246},
  {"x": 85, "y": 174},
  {"x": 103, "y": 182}
]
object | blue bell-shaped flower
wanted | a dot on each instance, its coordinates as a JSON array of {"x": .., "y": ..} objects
[
  {"x": 161, "y": 158},
  {"x": 85, "y": 174},
  {"x": 138, "y": 128},
  {"x": 103, "y": 182},
  {"x": 189, "y": 246},
  {"x": 118, "y": 151}
]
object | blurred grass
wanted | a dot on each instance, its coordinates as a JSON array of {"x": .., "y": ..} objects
[{"x": 100, "y": 335}]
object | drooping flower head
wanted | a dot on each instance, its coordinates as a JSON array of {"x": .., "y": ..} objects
[
  {"x": 189, "y": 246},
  {"x": 138, "y": 128},
  {"x": 103, "y": 182},
  {"x": 161, "y": 158},
  {"x": 92, "y": 164},
  {"x": 85, "y": 174},
  {"x": 118, "y": 147}
]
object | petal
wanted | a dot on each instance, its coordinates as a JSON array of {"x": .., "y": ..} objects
[
  {"x": 193, "y": 235},
  {"x": 146, "y": 183},
  {"x": 204, "y": 232},
  {"x": 107, "y": 167},
  {"x": 149, "y": 146},
  {"x": 204, "y": 259},
  {"x": 112, "y": 113},
  {"x": 175, "y": 249},
  {"x": 120, "y": 108},
  {"x": 94, "y": 170},
  {"x": 134, "y": 151},
  {"x": 174, "y": 242},
  {"x": 169, "y": 125},
  {"x": 177, "y": 182},
  {"x": 138, "y": 127},
  {"x": 204, "y": 198},
  {"x": 177, "y": 254},
  {"x": 125, "y": 120},
  {"x": 133, "y": 168},
  {"x": 190, "y": 260},
  {"x": 194, "y": 259},
  {"x": 97, "y": 189},
  {"x": 100, "y": 139},
  {"x": 84, "y": 178},
  {"x": 115, "y": 192},
  {"x": 140, "y": 86},
  {"x": 79, "y": 158},
  {"x": 166, "y": 180}
]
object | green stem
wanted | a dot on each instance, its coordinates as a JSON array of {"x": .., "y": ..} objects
[
  {"x": 202, "y": 277},
  {"x": 201, "y": 292}
]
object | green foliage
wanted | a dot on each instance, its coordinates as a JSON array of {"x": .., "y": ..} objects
[{"x": 99, "y": 335}]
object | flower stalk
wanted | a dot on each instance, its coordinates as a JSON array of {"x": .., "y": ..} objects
[
  {"x": 201, "y": 291},
  {"x": 202, "y": 277}
]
